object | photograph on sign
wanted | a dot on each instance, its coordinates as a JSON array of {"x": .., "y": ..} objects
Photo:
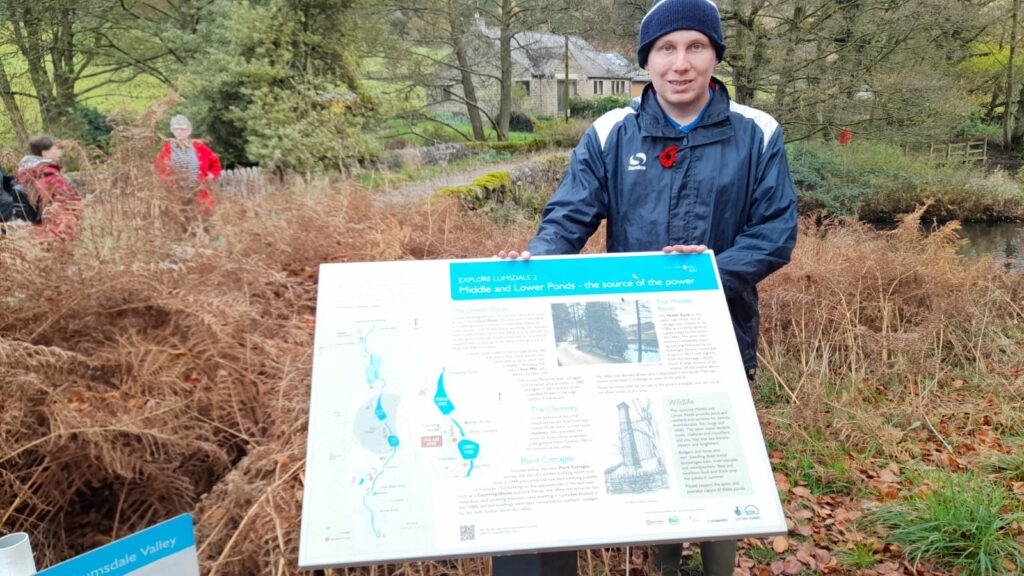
[{"x": 478, "y": 407}]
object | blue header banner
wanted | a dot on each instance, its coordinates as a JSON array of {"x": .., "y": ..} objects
[
  {"x": 129, "y": 554},
  {"x": 582, "y": 276}
]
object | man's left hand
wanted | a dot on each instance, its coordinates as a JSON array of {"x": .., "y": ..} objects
[{"x": 685, "y": 249}]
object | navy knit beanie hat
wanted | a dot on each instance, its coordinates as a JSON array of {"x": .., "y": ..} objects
[{"x": 671, "y": 15}]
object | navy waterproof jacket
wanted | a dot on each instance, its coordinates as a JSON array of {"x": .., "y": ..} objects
[{"x": 728, "y": 188}]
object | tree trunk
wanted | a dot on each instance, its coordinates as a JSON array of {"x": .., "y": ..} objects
[
  {"x": 63, "y": 64},
  {"x": 56, "y": 96},
  {"x": 786, "y": 74},
  {"x": 12, "y": 108},
  {"x": 739, "y": 61},
  {"x": 1009, "y": 112},
  {"x": 469, "y": 91},
  {"x": 457, "y": 36},
  {"x": 505, "y": 100}
]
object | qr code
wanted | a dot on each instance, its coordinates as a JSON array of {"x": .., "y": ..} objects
[{"x": 467, "y": 533}]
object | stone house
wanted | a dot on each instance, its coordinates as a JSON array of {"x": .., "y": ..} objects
[{"x": 538, "y": 74}]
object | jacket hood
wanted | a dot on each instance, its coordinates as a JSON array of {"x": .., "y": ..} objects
[{"x": 31, "y": 162}]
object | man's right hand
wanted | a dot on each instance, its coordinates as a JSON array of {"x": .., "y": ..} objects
[{"x": 513, "y": 255}]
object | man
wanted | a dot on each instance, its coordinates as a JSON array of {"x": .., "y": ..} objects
[{"x": 681, "y": 170}]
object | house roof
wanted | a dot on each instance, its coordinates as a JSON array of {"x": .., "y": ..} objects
[{"x": 542, "y": 54}]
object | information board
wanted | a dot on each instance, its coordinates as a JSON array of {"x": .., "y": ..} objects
[{"x": 478, "y": 407}]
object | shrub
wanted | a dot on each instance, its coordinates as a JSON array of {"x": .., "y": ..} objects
[
  {"x": 605, "y": 104},
  {"x": 91, "y": 126},
  {"x": 580, "y": 107},
  {"x": 520, "y": 122},
  {"x": 975, "y": 125},
  {"x": 593, "y": 108},
  {"x": 876, "y": 181},
  {"x": 561, "y": 133}
]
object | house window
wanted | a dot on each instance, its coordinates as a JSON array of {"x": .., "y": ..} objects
[
  {"x": 524, "y": 85},
  {"x": 618, "y": 86},
  {"x": 598, "y": 87},
  {"x": 561, "y": 93}
]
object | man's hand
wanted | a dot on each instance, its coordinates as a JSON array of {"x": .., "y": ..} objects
[
  {"x": 685, "y": 249},
  {"x": 513, "y": 255}
]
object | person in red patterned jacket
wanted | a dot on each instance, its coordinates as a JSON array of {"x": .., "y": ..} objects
[
  {"x": 40, "y": 175},
  {"x": 189, "y": 164}
]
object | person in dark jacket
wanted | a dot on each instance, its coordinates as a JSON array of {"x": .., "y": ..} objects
[
  {"x": 682, "y": 169},
  {"x": 14, "y": 202}
]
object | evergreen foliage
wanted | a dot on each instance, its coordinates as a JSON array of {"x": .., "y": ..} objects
[
  {"x": 91, "y": 126},
  {"x": 520, "y": 122},
  {"x": 279, "y": 85}
]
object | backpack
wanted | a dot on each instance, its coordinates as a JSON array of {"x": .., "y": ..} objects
[{"x": 15, "y": 203}]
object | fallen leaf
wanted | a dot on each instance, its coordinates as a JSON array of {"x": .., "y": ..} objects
[
  {"x": 887, "y": 490},
  {"x": 792, "y": 567},
  {"x": 948, "y": 460},
  {"x": 1018, "y": 487},
  {"x": 845, "y": 515},
  {"x": 806, "y": 558},
  {"x": 804, "y": 514},
  {"x": 781, "y": 481},
  {"x": 802, "y": 491},
  {"x": 777, "y": 567},
  {"x": 886, "y": 475},
  {"x": 987, "y": 436},
  {"x": 780, "y": 544},
  {"x": 886, "y": 567}
]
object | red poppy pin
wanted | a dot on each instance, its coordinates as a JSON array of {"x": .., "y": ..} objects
[{"x": 668, "y": 156}]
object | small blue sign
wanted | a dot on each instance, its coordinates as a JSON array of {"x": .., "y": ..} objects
[
  {"x": 641, "y": 273},
  {"x": 129, "y": 554}
]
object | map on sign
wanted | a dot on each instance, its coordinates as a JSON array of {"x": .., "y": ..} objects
[{"x": 481, "y": 407}]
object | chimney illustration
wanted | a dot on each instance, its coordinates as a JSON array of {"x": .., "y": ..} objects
[{"x": 627, "y": 442}]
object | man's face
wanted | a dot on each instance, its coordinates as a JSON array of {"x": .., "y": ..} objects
[{"x": 681, "y": 64}]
